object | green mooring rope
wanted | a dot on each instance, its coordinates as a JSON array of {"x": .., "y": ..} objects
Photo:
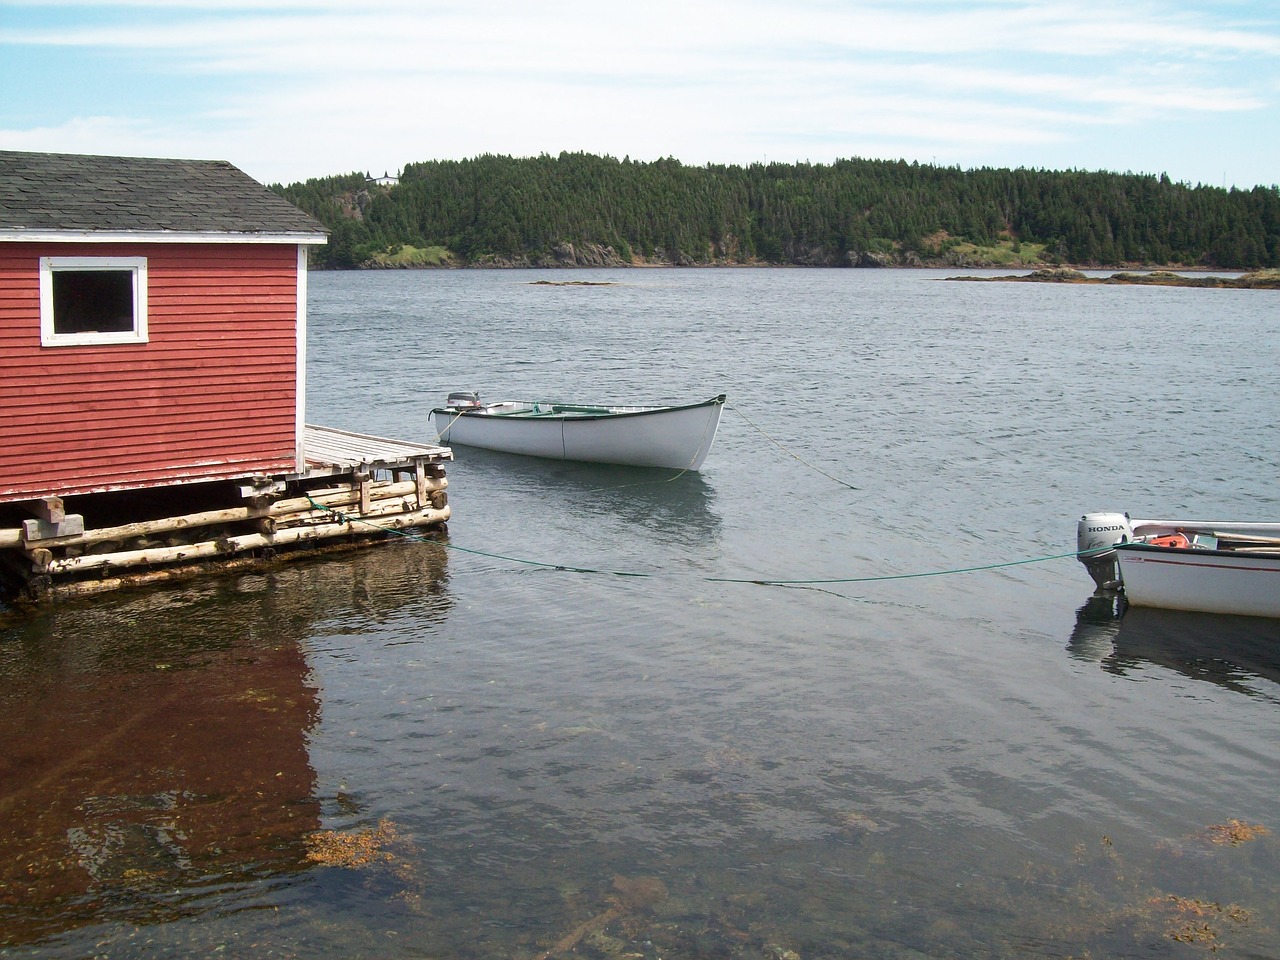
[{"x": 758, "y": 581}]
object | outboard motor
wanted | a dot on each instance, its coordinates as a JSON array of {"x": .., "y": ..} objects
[
  {"x": 463, "y": 399},
  {"x": 1096, "y": 536}
]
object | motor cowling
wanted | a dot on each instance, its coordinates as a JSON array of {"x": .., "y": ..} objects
[
  {"x": 462, "y": 399},
  {"x": 1096, "y": 536}
]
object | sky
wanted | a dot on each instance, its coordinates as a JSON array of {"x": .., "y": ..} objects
[{"x": 289, "y": 90}]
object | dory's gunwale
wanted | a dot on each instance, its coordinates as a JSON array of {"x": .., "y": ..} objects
[
  {"x": 607, "y": 414},
  {"x": 1137, "y": 546}
]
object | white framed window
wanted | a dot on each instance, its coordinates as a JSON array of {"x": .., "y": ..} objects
[{"x": 93, "y": 300}]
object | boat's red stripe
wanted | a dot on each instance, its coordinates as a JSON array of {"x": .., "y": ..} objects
[{"x": 1211, "y": 566}]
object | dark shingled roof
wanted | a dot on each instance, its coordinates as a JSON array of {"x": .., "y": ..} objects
[{"x": 56, "y": 191}]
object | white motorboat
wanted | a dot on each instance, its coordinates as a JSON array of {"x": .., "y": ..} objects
[
  {"x": 678, "y": 437},
  {"x": 1206, "y": 565}
]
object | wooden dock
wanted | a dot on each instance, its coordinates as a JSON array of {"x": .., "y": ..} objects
[
  {"x": 357, "y": 489},
  {"x": 330, "y": 449}
]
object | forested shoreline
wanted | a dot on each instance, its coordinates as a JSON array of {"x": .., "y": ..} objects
[{"x": 579, "y": 209}]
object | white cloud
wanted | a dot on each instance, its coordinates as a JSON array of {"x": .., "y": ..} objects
[
  {"x": 307, "y": 87},
  {"x": 100, "y": 135}
]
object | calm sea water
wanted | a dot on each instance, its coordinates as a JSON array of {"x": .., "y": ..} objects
[{"x": 929, "y": 742}]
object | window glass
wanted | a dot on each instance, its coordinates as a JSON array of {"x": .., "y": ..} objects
[{"x": 93, "y": 300}]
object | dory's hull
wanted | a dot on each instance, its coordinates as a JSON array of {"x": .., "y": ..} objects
[
  {"x": 1211, "y": 566},
  {"x": 675, "y": 437},
  {"x": 1211, "y": 581}
]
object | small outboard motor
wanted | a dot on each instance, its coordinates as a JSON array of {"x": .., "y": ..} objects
[
  {"x": 1096, "y": 536},
  {"x": 463, "y": 399}
]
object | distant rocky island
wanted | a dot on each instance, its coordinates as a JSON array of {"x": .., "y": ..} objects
[{"x": 1258, "y": 280}]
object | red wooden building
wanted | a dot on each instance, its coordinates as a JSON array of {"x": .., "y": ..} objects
[
  {"x": 153, "y": 337},
  {"x": 152, "y": 324}
]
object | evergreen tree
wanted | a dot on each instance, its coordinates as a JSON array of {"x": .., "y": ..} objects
[{"x": 522, "y": 209}]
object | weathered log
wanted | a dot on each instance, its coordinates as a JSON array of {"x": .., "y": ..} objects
[
  {"x": 76, "y": 589},
  {"x": 251, "y": 541},
  {"x": 84, "y": 588},
  {"x": 330, "y": 497},
  {"x": 348, "y": 495},
  {"x": 378, "y": 508},
  {"x": 145, "y": 528}
]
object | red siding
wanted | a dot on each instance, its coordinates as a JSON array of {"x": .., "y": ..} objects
[{"x": 211, "y": 394}]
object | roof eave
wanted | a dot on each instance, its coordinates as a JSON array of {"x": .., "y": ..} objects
[{"x": 158, "y": 236}]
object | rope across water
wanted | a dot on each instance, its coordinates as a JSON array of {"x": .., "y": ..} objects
[{"x": 759, "y": 581}]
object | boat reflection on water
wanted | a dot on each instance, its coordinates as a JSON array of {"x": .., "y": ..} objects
[
  {"x": 155, "y": 744},
  {"x": 1230, "y": 651},
  {"x": 674, "y": 506}
]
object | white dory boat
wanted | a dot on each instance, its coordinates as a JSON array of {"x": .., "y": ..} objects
[
  {"x": 1207, "y": 565},
  {"x": 676, "y": 437}
]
